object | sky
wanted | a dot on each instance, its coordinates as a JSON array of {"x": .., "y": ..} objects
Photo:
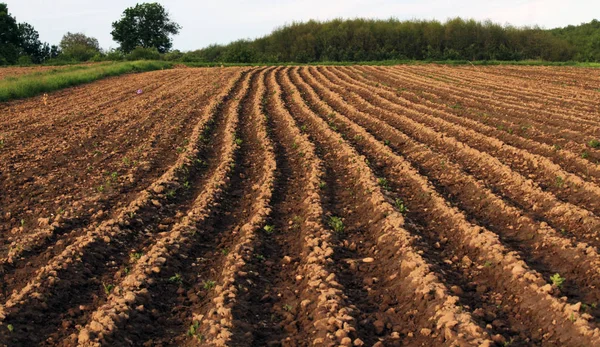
[{"x": 207, "y": 22}]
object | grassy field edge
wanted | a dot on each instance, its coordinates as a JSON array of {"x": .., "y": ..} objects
[{"x": 37, "y": 83}]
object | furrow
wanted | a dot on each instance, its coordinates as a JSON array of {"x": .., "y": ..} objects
[
  {"x": 413, "y": 305},
  {"x": 529, "y": 196},
  {"x": 522, "y": 289},
  {"x": 111, "y": 233}
]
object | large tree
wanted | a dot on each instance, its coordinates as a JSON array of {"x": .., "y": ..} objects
[
  {"x": 78, "y": 46},
  {"x": 10, "y": 40},
  {"x": 145, "y": 25}
]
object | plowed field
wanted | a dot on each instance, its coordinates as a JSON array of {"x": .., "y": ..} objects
[{"x": 299, "y": 206}]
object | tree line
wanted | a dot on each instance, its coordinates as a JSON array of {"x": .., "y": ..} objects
[
  {"x": 144, "y": 32},
  {"x": 370, "y": 40}
]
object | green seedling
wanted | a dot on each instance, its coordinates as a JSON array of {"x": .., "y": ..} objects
[
  {"x": 594, "y": 143},
  {"x": 269, "y": 229},
  {"x": 225, "y": 251},
  {"x": 560, "y": 182},
  {"x": 383, "y": 182},
  {"x": 260, "y": 257},
  {"x": 22, "y": 222},
  {"x": 294, "y": 145},
  {"x": 456, "y": 106},
  {"x": 193, "y": 331},
  {"x": 101, "y": 188},
  {"x": 208, "y": 285},
  {"x": 10, "y": 328},
  {"x": 400, "y": 206},
  {"x": 107, "y": 288},
  {"x": 238, "y": 141},
  {"x": 187, "y": 185},
  {"x": 336, "y": 224},
  {"x": 585, "y": 155},
  {"x": 288, "y": 307},
  {"x": 181, "y": 149},
  {"x": 171, "y": 193},
  {"x": 176, "y": 279},
  {"x": 557, "y": 280},
  {"x": 322, "y": 185},
  {"x": 303, "y": 128},
  {"x": 114, "y": 176},
  {"x": 133, "y": 257},
  {"x": 556, "y": 147},
  {"x": 487, "y": 264},
  {"x": 126, "y": 161},
  {"x": 1, "y": 143},
  {"x": 386, "y": 142}
]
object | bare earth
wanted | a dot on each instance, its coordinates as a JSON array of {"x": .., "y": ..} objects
[{"x": 300, "y": 206}]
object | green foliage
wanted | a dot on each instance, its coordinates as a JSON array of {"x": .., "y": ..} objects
[
  {"x": 377, "y": 40},
  {"x": 141, "y": 53},
  {"x": 336, "y": 224},
  {"x": 584, "y": 39},
  {"x": 557, "y": 280},
  {"x": 269, "y": 229},
  {"x": 594, "y": 143},
  {"x": 79, "y": 47},
  {"x": 34, "y": 84},
  {"x": 147, "y": 25}
]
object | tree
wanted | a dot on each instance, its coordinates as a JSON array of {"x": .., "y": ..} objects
[
  {"x": 79, "y": 47},
  {"x": 145, "y": 25},
  {"x": 9, "y": 37},
  {"x": 31, "y": 45}
]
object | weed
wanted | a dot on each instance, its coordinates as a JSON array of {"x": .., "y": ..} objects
[
  {"x": 225, "y": 251},
  {"x": 386, "y": 142},
  {"x": 400, "y": 206},
  {"x": 260, "y": 257},
  {"x": 187, "y": 185},
  {"x": 114, "y": 176},
  {"x": 322, "y": 185},
  {"x": 208, "y": 285},
  {"x": 181, "y": 149},
  {"x": 487, "y": 264},
  {"x": 294, "y": 145},
  {"x": 238, "y": 141},
  {"x": 10, "y": 328},
  {"x": 557, "y": 280},
  {"x": 200, "y": 163},
  {"x": 22, "y": 222},
  {"x": 101, "y": 188},
  {"x": 585, "y": 155},
  {"x": 358, "y": 137},
  {"x": 269, "y": 229},
  {"x": 107, "y": 288},
  {"x": 176, "y": 279},
  {"x": 171, "y": 193},
  {"x": 288, "y": 307},
  {"x": 594, "y": 143},
  {"x": 336, "y": 224},
  {"x": 303, "y": 128}
]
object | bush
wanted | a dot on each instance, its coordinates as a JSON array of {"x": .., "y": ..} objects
[
  {"x": 141, "y": 53},
  {"x": 24, "y": 60}
]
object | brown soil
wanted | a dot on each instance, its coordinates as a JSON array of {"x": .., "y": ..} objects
[{"x": 304, "y": 206}]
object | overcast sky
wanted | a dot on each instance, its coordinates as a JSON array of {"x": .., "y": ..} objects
[{"x": 206, "y": 22}]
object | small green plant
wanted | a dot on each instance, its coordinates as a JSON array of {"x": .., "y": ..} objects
[
  {"x": 208, "y": 285},
  {"x": 585, "y": 155},
  {"x": 114, "y": 176},
  {"x": 10, "y": 328},
  {"x": 22, "y": 222},
  {"x": 225, "y": 251},
  {"x": 322, "y": 185},
  {"x": 176, "y": 279},
  {"x": 294, "y": 145},
  {"x": 288, "y": 307},
  {"x": 386, "y": 142},
  {"x": 336, "y": 224},
  {"x": 556, "y": 147},
  {"x": 193, "y": 331},
  {"x": 133, "y": 257},
  {"x": 107, "y": 288},
  {"x": 303, "y": 128},
  {"x": 456, "y": 106},
  {"x": 557, "y": 280},
  {"x": 100, "y": 188},
  {"x": 171, "y": 193},
  {"x": 187, "y": 185},
  {"x": 594, "y": 143},
  {"x": 126, "y": 161},
  {"x": 400, "y": 206},
  {"x": 181, "y": 149},
  {"x": 260, "y": 257},
  {"x": 238, "y": 141},
  {"x": 572, "y": 317},
  {"x": 487, "y": 263},
  {"x": 269, "y": 229},
  {"x": 383, "y": 182},
  {"x": 559, "y": 181},
  {"x": 1, "y": 143}
]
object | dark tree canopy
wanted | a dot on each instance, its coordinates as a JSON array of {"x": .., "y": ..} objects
[
  {"x": 20, "y": 42},
  {"x": 78, "y": 46},
  {"x": 10, "y": 40},
  {"x": 145, "y": 25}
]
